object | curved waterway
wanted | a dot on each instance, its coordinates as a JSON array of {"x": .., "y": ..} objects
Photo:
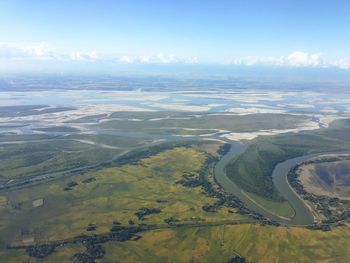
[{"x": 302, "y": 216}]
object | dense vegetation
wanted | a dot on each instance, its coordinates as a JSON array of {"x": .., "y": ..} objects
[
  {"x": 237, "y": 259},
  {"x": 146, "y": 211}
]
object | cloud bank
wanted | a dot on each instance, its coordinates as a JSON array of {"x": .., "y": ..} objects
[
  {"x": 294, "y": 59},
  {"x": 42, "y": 51}
]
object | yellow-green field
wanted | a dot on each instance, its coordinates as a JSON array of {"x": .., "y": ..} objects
[
  {"x": 218, "y": 244},
  {"x": 116, "y": 195},
  {"x": 283, "y": 209},
  {"x": 119, "y": 192}
]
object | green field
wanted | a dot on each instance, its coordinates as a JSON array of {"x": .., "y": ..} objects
[
  {"x": 282, "y": 208},
  {"x": 21, "y": 160},
  {"x": 118, "y": 193},
  {"x": 218, "y": 244},
  {"x": 24, "y": 156},
  {"x": 244, "y": 123},
  {"x": 115, "y": 194},
  {"x": 252, "y": 170}
]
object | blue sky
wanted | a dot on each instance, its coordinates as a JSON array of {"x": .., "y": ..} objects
[{"x": 288, "y": 33}]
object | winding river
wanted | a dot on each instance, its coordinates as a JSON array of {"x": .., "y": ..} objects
[{"x": 302, "y": 216}]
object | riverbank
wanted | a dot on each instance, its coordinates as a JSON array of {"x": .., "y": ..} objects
[{"x": 302, "y": 215}]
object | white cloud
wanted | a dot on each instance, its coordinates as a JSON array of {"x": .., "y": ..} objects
[
  {"x": 28, "y": 51},
  {"x": 159, "y": 58},
  {"x": 192, "y": 60},
  {"x": 126, "y": 59},
  {"x": 84, "y": 55},
  {"x": 251, "y": 60},
  {"x": 43, "y": 51},
  {"x": 341, "y": 63},
  {"x": 295, "y": 59},
  {"x": 303, "y": 59}
]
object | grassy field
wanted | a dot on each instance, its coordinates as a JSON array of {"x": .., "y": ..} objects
[
  {"x": 24, "y": 137},
  {"x": 57, "y": 129},
  {"x": 282, "y": 208},
  {"x": 218, "y": 244},
  {"x": 115, "y": 194},
  {"x": 24, "y": 156},
  {"x": 263, "y": 244},
  {"x": 47, "y": 156},
  {"x": 178, "y": 131},
  {"x": 118, "y": 193},
  {"x": 111, "y": 140},
  {"x": 245, "y": 123}
]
